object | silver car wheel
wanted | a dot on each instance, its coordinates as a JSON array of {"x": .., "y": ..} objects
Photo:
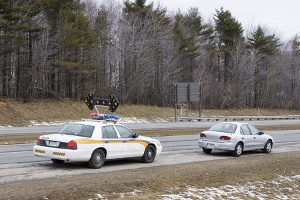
[
  {"x": 239, "y": 149},
  {"x": 269, "y": 147}
]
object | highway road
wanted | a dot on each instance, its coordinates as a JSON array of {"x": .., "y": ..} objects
[
  {"x": 17, "y": 162},
  {"x": 141, "y": 126},
  {"x": 22, "y": 153}
]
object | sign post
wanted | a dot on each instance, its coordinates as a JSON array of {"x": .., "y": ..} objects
[{"x": 187, "y": 93}]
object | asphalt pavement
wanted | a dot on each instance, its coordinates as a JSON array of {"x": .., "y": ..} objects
[{"x": 22, "y": 153}]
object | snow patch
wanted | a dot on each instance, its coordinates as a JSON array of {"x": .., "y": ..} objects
[
  {"x": 100, "y": 196},
  {"x": 133, "y": 193},
  {"x": 132, "y": 120},
  {"x": 281, "y": 188},
  {"x": 56, "y": 123},
  {"x": 296, "y": 177},
  {"x": 5, "y": 126}
]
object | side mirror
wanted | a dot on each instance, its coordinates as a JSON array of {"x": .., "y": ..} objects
[
  {"x": 135, "y": 135},
  {"x": 261, "y": 133}
]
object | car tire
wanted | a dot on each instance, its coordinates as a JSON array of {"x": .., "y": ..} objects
[
  {"x": 56, "y": 161},
  {"x": 97, "y": 159},
  {"x": 206, "y": 150},
  {"x": 149, "y": 154},
  {"x": 238, "y": 150},
  {"x": 268, "y": 147}
]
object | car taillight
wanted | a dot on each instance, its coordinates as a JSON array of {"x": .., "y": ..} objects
[
  {"x": 72, "y": 145},
  {"x": 202, "y": 135},
  {"x": 38, "y": 141},
  {"x": 225, "y": 138}
]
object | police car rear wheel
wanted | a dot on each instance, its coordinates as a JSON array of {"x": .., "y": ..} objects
[
  {"x": 149, "y": 154},
  {"x": 97, "y": 159},
  {"x": 56, "y": 161}
]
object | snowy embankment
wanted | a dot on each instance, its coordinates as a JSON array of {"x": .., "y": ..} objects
[{"x": 282, "y": 187}]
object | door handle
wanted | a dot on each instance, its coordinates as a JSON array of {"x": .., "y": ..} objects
[
  {"x": 254, "y": 137},
  {"x": 242, "y": 138}
]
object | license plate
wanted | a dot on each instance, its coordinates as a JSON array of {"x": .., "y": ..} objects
[
  {"x": 210, "y": 146},
  {"x": 54, "y": 144}
]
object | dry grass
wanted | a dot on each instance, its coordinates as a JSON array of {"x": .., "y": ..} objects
[
  {"x": 158, "y": 180},
  {"x": 15, "y": 113},
  {"x": 251, "y": 112}
]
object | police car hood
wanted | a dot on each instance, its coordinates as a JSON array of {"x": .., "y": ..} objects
[
  {"x": 147, "y": 139},
  {"x": 61, "y": 137}
]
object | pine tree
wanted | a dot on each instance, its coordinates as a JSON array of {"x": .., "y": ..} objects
[
  {"x": 266, "y": 45},
  {"x": 10, "y": 15},
  {"x": 78, "y": 44},
  {"x": 18, "y": 27},
  {"x": 31, "y": 30},
  {"x": 71, "y": 46},
  {"x": 190, "y": 31},
  {"x": 102, "y": 29},
  {"x": 229, "y": 32},
  {"x": 138, "y": 8}
]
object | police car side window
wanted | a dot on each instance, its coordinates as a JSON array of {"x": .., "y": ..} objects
[
  {"x": 124, "y": 132},
  {"x": 109, "y": 132},
  {"x": 245, "y": 130}
]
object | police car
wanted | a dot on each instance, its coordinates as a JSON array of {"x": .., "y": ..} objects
[{"x": 94, "y": 141}]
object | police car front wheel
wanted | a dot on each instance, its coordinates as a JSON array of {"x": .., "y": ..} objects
[{"x": 149, "y": 154}]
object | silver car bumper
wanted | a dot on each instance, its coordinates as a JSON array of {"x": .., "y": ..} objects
[{"x": 226, "y": 146}]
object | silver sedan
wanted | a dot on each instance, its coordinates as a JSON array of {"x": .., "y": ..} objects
[{"x": 235, "y": 137}]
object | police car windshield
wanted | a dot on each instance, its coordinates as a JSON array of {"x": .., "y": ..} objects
[
  {"x": 78, "y": 130},
  {"x": 224, "y": 127}
]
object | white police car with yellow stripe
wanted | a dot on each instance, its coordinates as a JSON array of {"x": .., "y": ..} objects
[{"x": 94, "y": 142}]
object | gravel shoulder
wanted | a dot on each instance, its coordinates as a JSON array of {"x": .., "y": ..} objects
[{"x": 145, "y": 183}]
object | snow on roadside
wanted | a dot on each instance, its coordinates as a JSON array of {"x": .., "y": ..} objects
[
  {"x": 132, "y": 120},
  {"x": 280, "y": 188},
  {"x": 283, "y": 187},
  {"x": 56, "y": 123},
  {"x": 133, "y": 193},
  {"x": 126, "y": 120},
  {"x": 60, "y": 123}
]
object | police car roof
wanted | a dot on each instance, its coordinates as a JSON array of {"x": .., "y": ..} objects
[{"x": 93, "y": 122}]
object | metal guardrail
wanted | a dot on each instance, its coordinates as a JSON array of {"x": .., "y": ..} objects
[{"x": 238, "y": 118}]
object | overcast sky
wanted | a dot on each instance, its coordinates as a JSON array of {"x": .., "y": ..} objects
[{"x": 280, "y": 16}]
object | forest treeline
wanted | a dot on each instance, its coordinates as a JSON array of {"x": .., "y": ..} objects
[{"x": 137, "y": 50}]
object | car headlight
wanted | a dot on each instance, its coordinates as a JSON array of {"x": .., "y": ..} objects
[{"x": 156, "y": 142}]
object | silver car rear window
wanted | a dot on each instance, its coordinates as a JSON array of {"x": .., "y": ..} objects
[
  {"x": 78, "y": 130},
  {"x": 224, "y": 127}
]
